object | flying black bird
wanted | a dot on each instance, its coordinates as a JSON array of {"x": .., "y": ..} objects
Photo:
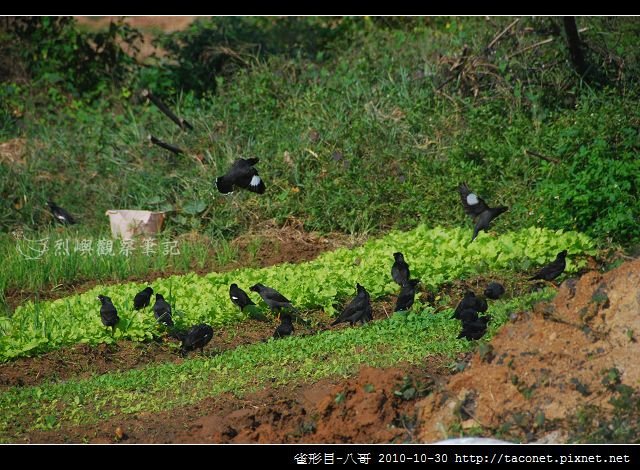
[
  {"x": 474, "y": 329},
  {"x": 478, "y": 210},
  {"x": 359, "y": 309},
  {"x": 162, "y": 311},
  {"x": 142, "y": 298},
  {"x": 407, "y": 295},
  {"x": 241, "y": 174},
  {"x": 400, "y": 269},
  {"x": 108, "y": 313},
  {"x": 239, "y": 297},
  {"x": 274, "y": 299},
  {"x": 552, "y": 270},
  {"x": 197, "y": 337},
  {"x": 61, "y": 215},
  {"x": 285, "y": 328},
  {"x": 494, "y": 291},
  {"x": 470, "y": 301}
]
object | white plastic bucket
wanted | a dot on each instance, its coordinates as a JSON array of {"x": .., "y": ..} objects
[{"x": 127, "y": 224}]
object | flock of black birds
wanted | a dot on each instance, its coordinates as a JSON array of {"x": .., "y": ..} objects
[
  {"x": 196, "y": 337},
  {"x": 243, "y": 175}
]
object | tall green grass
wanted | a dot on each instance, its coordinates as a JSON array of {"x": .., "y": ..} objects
[
  {"x": 40, "y": 263},
  {"x": 360, "y": 138}
]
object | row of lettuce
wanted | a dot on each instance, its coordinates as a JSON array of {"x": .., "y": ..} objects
[{"x": 435, "y": 255}]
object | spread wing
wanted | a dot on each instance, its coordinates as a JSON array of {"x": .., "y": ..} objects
[{"x": 473, "y": 205}]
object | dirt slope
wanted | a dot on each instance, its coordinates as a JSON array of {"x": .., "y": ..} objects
[{"x": 547, "y": 364}]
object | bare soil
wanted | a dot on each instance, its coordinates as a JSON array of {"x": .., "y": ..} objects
[{"x": 545, "y": 365}]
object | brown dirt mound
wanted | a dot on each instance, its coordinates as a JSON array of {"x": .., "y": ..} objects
[{"x": 541, "y": 368}]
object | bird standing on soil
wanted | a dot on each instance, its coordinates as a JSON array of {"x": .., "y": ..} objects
[
  {"x": 407, "y": 295},
  {"x": 553, "y": 269},
  {"x": 142, "y": 298},
  {"x": 359, "y": 309},
  {"x": 61, "y": 215},
  {"x": 285, "y": 328},
  {"x": 274, "y": 299},
  {"x": 400, "y": 269},
  {"x": 494, "y": 291},
  {"x": 108, "y": 313},
  {"x": 162, "y": 311},
  {"x": 239, "y": 297},
  {"x": 470, "y": 302},
  {"x": 197, "y": 337},
  {"x": 478, "y": 210},
  {"x": 241, "y": 174},
  {"x": 474, "y": 329}
]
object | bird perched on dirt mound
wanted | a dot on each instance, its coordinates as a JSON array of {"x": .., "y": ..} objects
[
  {"x": 243, "y": 175},
  {"x": 470, "y": 302},
  {"x": 108, "y": 313},
  {"x": 553, "y": 269},
  {"x": 400, "y": 269},
  {"x": 494, "y": 291},
  {"x": 142, "y": 298},
  {"x": 359, "y": 309},
  {"x": 478, "y": 210},
  {"x": 407, "y": 295},
  {"x": 197, "y": 337},
  {"x": 474, "y": 329},
  {"x": 61, "y": 215},
  {"x": 162, "y": 311},
  {"x": 239, "y": 297},
  {"x": 274, "y": 299},
  {"x": 285, "y": 328}
]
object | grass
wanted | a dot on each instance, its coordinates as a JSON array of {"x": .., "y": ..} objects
[
  {"x": 361, "y": 140},
  {"x": 50, "y": 260},
  {"x": 409, "y": 338}
]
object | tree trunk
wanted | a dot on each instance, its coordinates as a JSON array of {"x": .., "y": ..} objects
[{"x": 573, "y": 39}]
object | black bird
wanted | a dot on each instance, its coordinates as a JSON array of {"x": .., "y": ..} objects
[
  {"x": 474, "y": 329},
  {"x": 407, "y": 295},
  {"x": 552, "y": 270},
  {"x": 108, "y": 313},
  {"x": 61, "y": 215},
  {"x": 285, "y": 328},
  {"x": 470, "y": 301},
  {"x": 478, "y": 210},
  {"x": 494, "y": 291},
  {"x": 359, "y": 309},
  {"x": 468, "y": 315},
  {"x": 274, "y": 299},
  {"x": 400, "y": 269},
  {"x": 162, "y": 311},
  {"x": 241, "y": 174},
  {"x": 239, "y": 297},
  {"x": 142, "y": 298},
  {"x": 197, "y": 337}
]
